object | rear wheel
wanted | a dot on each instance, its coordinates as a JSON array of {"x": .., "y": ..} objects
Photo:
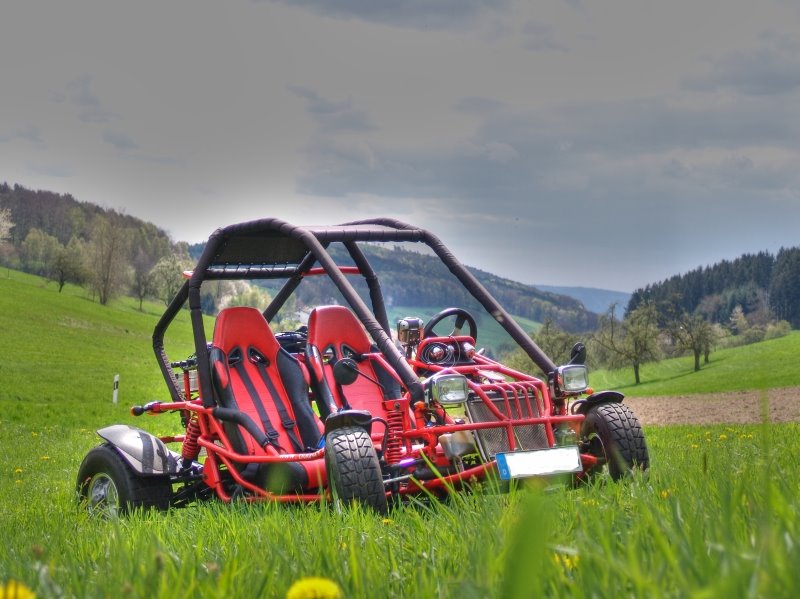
[
  {"x": 108, "y": 486},
  {"x": 612, "y": 433},
  {"x": 354, "y": 472}
]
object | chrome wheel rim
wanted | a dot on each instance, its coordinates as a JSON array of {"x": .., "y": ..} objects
[{"x": 102, "y": 495}]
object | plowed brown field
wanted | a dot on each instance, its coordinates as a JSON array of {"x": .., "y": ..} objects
[{"x": 741, "y": 407}]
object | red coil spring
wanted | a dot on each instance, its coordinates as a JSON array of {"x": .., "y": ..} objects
[
  {"x": 191, "y": 448},
  {"x": 393, "y": 451}
]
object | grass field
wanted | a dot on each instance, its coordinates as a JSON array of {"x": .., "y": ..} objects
[
  {"x": 764, "y": 365},
  {"x": 716, "y": 516}
]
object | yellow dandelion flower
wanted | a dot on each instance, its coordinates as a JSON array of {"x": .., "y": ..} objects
[
  {"x": 695, "y": 446},
  {"x": 17, "y": 470},
  {"x": 566, "y": 561},
  {"x": 387, "y": 520},
  {"x": 314, "y": 587},
  {"x": 723, "y": 437},
  {"x": 16, "y": 590},
  {"x": 45, "y": 457},
  {"x": 664, "y": 493},
  {"x": 34, "y": 434}
]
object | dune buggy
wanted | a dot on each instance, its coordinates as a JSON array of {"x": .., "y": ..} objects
[{"x": 340, "y": 410}]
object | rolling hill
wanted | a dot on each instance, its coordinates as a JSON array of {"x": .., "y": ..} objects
[{"x": 595, "y": 300}]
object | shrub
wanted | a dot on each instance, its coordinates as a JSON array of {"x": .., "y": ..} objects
[{"x": 777, "y": 329}]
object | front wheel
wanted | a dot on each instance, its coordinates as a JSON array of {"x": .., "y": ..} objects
[
  {"x": 108, "y": 486},
  {"x": 611, "y": 433},
  {"x": 354, "y": 472}
]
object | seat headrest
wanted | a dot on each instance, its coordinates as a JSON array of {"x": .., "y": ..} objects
[
  {"x": 244, "y": 327},
  {"x": 337, "y": 325}
]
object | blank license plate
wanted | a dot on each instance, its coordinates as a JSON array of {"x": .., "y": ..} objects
[{"x": 540, "y": 462}]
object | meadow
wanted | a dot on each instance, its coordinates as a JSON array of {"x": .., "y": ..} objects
[
  {"x": 766, "y": 365},
  {"x": 717, "y": 515}
]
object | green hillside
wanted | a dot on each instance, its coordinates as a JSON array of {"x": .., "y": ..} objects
[
  {"x": 762, "y": 365},
  {"x": 60, "y": 352}
]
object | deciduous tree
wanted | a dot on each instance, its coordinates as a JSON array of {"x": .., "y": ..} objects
[
  {"x": 5, "y": 225},
  {"x": 554, "y": 342},
  {"x": 167, "y": 276},
  {"x": 109, "y": 251},
  {"x": 632, "y": 341},
  {"x": 39, "y": 252},
  {"x": 70, "y": 264},
  {"x": 694, "y": 333}
]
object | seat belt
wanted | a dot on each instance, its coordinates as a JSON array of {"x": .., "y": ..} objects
[
  {"x": 288, "y": 423},
  {"x": 272, "y": 434}
]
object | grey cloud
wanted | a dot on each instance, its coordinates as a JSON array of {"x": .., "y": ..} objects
[
  {"x": 654, "y": 125},
  {"x": 25, "y": 132},
  {"x": 51, "y": 170},
  {"x": 539, "y": 37},
  {"x": 333, "y": 117},
  {"x": 79, "y": 93},
  {"x": 748, "y": 174},
  {"x": 415, "y": 14},
  {"x": 590, "y": 150},
  {"x": 478, "y": 105},
  {"x": 158, "y": 160},
  {"x": 771, "y": 68},
  {"x": 119, "y": 140}
]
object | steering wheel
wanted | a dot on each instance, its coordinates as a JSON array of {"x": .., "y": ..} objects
[{"x": 462, "y": 316}]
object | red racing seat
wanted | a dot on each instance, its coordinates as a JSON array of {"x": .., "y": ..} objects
[
  {"x": 253, "y": 374},
  {"x": 334, "y": 333}
]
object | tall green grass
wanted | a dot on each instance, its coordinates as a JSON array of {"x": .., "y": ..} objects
[{"x": 716, "y": 516}]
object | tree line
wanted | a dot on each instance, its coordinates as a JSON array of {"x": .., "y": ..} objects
[
  {"x": 752, "y": 298},
  {"x": 67, "y": 241},
  {"x": 763, "y": 286}
]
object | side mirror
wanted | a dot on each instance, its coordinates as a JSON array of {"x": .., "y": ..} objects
[
  {"x": 345, "y": 371},
  {"x": 578, "y": 354}
]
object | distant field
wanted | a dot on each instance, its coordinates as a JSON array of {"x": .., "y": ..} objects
[
  {"x": 715, "y": 517},
  {"x": 764, "y": 365}
]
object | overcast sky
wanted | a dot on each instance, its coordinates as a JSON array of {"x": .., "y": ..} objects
[{"x": 606, "y": 143}]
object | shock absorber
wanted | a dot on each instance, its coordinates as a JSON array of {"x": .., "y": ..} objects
[
  {"x": 393, "y": 451},
  {"x": 191, "y": 448}
]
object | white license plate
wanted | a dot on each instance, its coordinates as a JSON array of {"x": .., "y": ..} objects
[{"x": 540, "y": 462}]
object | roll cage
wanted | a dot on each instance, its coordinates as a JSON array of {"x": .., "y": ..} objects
[{"x": 274, "y": 249}]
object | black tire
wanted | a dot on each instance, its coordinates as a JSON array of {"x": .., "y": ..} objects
[
  {"x": 354, "y": 472},
  {"x": 613, "y": 434},
  {"x": 107, "y": 485}
]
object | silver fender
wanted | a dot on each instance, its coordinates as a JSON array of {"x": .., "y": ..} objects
[{"x": 145, "y": 453}]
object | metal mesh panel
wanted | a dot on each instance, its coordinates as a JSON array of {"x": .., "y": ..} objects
[{"x": 492, "y": 441}]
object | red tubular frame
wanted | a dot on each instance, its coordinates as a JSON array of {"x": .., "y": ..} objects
[{"x": 211, "y": 431}]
